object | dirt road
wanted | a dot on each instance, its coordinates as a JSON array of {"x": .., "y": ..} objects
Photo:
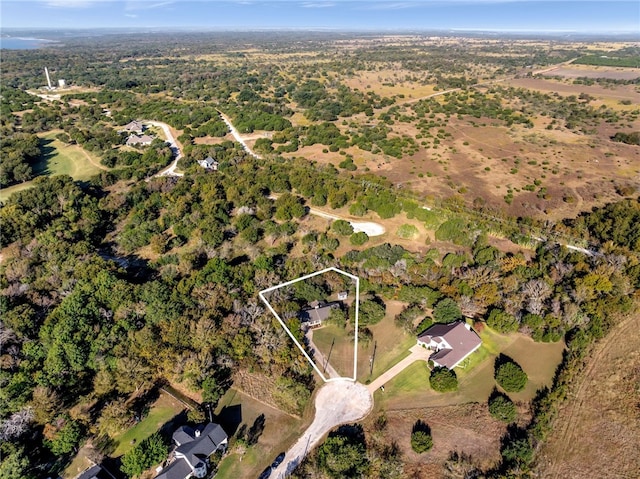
[
  {"x": 372, "y": 229},
  {"x": 239, "y": 138},
  {"x": 337, "y": 402}
]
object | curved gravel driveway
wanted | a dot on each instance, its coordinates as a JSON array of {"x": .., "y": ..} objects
[{"x": 337, "y": 402}]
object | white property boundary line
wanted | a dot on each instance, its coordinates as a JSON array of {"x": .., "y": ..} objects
[{"x": 282, "y": 323}]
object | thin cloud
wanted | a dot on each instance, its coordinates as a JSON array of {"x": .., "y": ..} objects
[
  {"x": 317, "y": 4},
  {"x": 71, "y": 3},
  {"x": 145, "y": 5}
]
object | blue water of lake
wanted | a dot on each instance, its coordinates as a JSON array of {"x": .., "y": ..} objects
[{"x": 23, "y": 43}]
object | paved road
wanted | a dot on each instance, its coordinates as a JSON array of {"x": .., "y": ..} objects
[
  {"x": 418, "y": 353},
  {"x": 175, "y": 149},
  {"x": 337, "y": 402}
]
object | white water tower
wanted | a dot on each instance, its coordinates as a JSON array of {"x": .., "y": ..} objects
[{"x": 46, "y": 72}]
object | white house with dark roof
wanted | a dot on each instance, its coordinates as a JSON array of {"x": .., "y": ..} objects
[
  {"x": 209, "y": 163},
  {"x": 317, "y": 313},
  {"x": 452, "y": 343},
  {"x": 193, "y": 448}
]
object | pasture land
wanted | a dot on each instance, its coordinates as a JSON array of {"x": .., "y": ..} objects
[{"x": 597, "y": 429}]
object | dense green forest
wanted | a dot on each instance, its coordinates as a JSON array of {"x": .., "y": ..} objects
[{"x": 114, "y": 286}]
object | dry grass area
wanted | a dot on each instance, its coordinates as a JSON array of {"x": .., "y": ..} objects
[
  {"x": 587, "y": 71},
  {"x": 597, "y": 432},
  {"x": 389, "y": 83},
  {"x": 468, "y": 429}
]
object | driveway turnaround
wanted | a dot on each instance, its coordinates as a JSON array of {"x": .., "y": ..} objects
[{"x": 337, "y": 403}]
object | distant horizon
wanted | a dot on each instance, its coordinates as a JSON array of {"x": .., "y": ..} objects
[{"x": 580, "y": 17}]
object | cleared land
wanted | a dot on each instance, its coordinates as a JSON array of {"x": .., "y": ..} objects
[
  {"x": 597, "y": 432},
  {"x": 597, "y": 72},
  {"x": 467, "y": 428},
  {"x": 59, "y": 159}
]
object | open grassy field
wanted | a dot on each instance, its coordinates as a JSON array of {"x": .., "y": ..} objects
[
  {"x": 410, "y": 389},
  {"x": 280, "y": 431},
  {"x": 337, "y": 347},
  {"x": 59, "y": 159},
  {"x": 597, "y": 429},
  {"x": 161, "y": 412},
  {"x": 389, "y": 345}
]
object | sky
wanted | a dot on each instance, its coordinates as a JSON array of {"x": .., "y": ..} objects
[{"x": 580, "y": 16}]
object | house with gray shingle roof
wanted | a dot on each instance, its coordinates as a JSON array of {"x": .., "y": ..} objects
[
  {"x": 134, "y": 126},
  {"x": 452, "y": 343},
  {"x": 193, "y": 448},
  {"x": 139, "y": 140},
  {"x": 317, "y": 313},
  {"x": 209, "y": 163}
]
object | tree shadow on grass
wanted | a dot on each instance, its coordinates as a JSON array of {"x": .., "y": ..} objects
[
  {"x": 421, "y": 426},
  {"x": 230, "y": 418},
  {"x": 41, "y": 166}
]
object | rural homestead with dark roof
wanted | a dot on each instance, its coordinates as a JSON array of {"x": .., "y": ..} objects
[
  {"x": 194, "y": 446},
  {"x": 451, "y": 342},
  {"x": 317, "y": 313}
]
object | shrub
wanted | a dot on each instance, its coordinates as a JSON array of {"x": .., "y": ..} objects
[
  {"x": 359, "y": 238},
  {"x": 454, "y": 230},
  {"x": 421, "y": 440},
  {"x": 509, "y": 375},
  {"x": 443, "y": 380},
  {"x": 407, "y": 231},
  {"x": 147, "y": 453},
  {"x": 502, "y": 407},
  {"x": 502, "y": 321},
  {"x": 446, "y": 311},
  {"x": 342, "y": 227}
]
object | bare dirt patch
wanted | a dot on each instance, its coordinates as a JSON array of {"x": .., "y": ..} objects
[
  {"x": 597, "y": 432},
  {"x": 468, "y": 428},
  {"x": 597, "y": 72}
]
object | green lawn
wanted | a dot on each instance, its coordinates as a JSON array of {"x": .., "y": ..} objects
[
  {"x": 161, "y": 412},
  {"x": 280, "y": 432},
  {"x": 336, "y": 345},
  {"x": 58, "y": 159},
  {"x": 475, "y": 379}
]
